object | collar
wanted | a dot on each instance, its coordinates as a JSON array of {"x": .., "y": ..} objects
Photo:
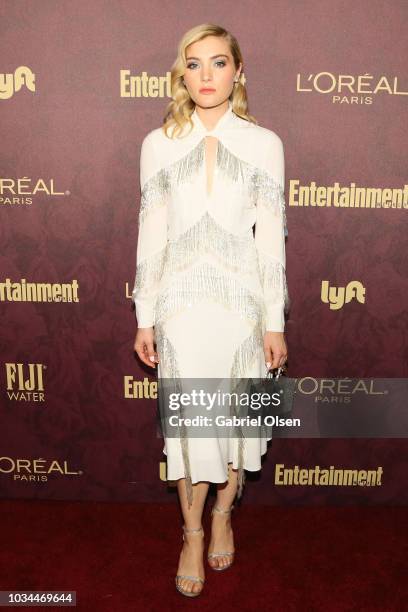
[{"x": 225, "y": 120}]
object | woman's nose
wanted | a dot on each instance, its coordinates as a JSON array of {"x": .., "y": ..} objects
[{"x": 206, "y": 75}]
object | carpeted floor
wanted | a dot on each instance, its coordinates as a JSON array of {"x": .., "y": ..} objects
[{"x": 123, "y": 557}]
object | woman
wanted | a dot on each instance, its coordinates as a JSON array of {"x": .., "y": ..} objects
[{"x": 208, "y": 292}]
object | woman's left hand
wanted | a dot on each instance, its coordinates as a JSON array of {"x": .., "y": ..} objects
[{"x": 275, "y": 350}]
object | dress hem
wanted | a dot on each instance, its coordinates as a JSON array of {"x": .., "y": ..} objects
[{"x": 226, "y": 478}]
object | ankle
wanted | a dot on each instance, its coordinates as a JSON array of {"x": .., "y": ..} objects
[{"x": 193, "y": 539}]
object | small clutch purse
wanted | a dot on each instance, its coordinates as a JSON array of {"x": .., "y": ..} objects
[{"x": 275, "y": 382}]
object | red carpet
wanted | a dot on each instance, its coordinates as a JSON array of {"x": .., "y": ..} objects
[{"x": 123, "y": 557}]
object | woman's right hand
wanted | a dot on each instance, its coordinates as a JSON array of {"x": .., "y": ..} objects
[{"x": 144, "y": 346}]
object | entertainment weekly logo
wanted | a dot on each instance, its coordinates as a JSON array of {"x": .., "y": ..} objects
[
  {"x": 26, "y": 291},
  {"x": 347, "y": 197},
  {"x": 318, "y": 476}
]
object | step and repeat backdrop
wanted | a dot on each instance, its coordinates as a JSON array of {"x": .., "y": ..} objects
[{"x": 81, "y": 84}]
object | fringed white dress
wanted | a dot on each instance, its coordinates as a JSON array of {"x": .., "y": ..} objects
[{"x": 207, "y": 282}]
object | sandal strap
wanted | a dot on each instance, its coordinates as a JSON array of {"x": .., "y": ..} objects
[
  {"x": 193, "y": 578},
  {"x": 195, "y": 530},
  {"x": 221, "y": 554},
  {"x": 220, "y": 510}
]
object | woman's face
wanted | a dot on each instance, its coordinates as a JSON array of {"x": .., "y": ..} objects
[{"x": 210, "y": 71}]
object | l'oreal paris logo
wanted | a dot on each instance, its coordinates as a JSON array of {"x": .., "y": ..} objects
[
  {"x": 336, "y": 297},
  {"x": 349, "y": 88},
  {"x": 21, "y": 190},
  {"x": 340, "y": 387},
  {"x": 35, "y": 470}
]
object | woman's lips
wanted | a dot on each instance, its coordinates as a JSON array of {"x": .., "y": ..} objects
[{"x": 207, "y": 90}]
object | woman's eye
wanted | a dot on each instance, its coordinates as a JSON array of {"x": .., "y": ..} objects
[{"x": 219, "y": 63}]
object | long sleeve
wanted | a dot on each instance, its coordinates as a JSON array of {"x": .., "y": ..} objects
[
  {"x": 270, "y": 232},
  {"x": 152, "y": 234}
]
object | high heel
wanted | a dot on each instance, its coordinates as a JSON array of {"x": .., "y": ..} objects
[
  {"x": 192, "y": 578},
  {"x": 214, "y": 555}
]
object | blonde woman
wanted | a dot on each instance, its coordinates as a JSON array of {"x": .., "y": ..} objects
[{"x": 209, "y": 292}]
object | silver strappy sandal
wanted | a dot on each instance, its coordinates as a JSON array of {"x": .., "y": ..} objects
[
  {"x": 221, "y": 554},
  {"x": 193, "y": 578}
]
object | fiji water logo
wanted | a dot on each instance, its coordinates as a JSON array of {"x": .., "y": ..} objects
[{"x": 25, "y": 382}]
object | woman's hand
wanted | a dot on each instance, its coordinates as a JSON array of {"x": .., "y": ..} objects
[
  {"x": 144, "y": 346},
  {"x": 275, "y": 350}
]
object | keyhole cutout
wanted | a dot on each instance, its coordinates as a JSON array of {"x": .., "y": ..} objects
[{"x": 211, "y": 145}]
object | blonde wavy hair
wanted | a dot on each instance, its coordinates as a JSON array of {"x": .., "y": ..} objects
[{"x": 181, "y": 107}]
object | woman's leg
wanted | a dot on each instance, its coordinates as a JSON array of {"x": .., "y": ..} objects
[
  {"x": 222, "y": 538},
  {"x": 191, "y": 557}
]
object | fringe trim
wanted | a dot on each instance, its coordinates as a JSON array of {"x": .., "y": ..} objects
[
  {"x": 261, "y": 184},
  {"x": 239, "y": 253},
  {"x": 157, "y": 189},
  {"x": 167, "y": 352},
  {"x": 273, "y": 280},
  {"x": 231, "y": 166},
  {"x": 272, "y": 196},
  {"x": 243, "y": 358},
  {"x": 154, "y": 193},
  {"x": 148, "y": 273},
  {"x": 206, "y": 281},
  {"x": 185, "y": 168}
]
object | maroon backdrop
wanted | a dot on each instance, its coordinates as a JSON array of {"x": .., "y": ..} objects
[{"x": 331, "y": 80}]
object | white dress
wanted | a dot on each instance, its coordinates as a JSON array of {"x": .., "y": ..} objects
[{"x": 204, "y": 280}]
